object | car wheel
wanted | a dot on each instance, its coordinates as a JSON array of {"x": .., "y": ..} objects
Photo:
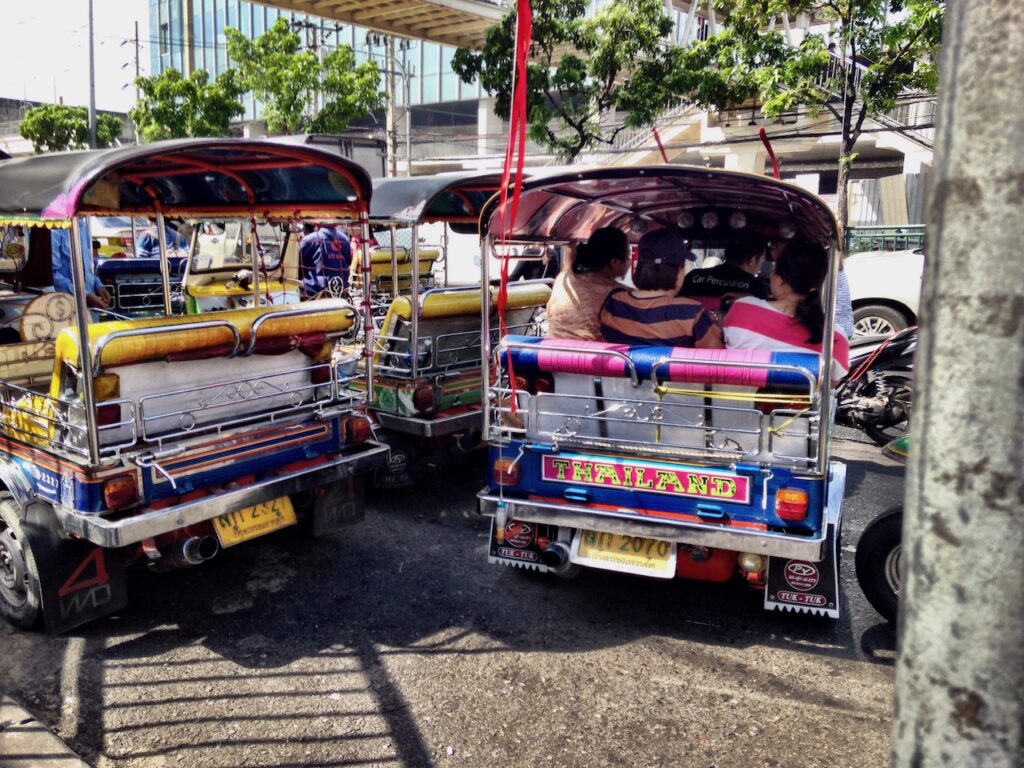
[
  {"x": 878, "y": 320},
  {"x": 20, "y": 601}
]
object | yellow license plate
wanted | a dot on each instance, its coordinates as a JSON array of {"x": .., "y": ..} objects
[
  {"x": 629, "y": 554},
  {"x": 236, "y": 527}
]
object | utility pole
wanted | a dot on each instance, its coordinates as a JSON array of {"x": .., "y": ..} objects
[
  {"x": 960, "y": 671},
  {"x": 392, "y": 126},
  {"x": 92, "y": 84}
]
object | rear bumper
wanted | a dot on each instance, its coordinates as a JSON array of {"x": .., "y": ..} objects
[
  {"x": 443, "y": 425},
  {"x": 131, "y": 530},
  {"x": 626, "y": 522}
]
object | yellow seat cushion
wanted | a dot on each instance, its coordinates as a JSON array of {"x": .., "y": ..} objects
[
  {"x": 150, "y": 347},
  {"x": 219, "y": 290}
]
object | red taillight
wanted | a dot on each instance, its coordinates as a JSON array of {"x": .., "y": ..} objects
[
  {"x": 423, "y": 398},
  {"x": 357, "y": 430},
  {"x": 108, "y": 414},
  {"x": 320, "y": 374},
  {"x": 506, "y": 472},
  {"x": 120, "y": 492},
  {"x": 791, "y": 504},
  {"x": 543, "y": 384}
]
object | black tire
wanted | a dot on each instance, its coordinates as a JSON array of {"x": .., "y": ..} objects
[
  {"x": 878, "y": 320},
  {"x": 901, "y": 402},
  {"x": 879, "y": 560},
  {"x": 20, "y": 600}
]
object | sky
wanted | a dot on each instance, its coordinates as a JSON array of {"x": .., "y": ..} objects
[{"x": 45, "y": 53}]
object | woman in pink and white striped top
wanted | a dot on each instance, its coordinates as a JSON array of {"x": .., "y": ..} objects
[{"x": 793, "y": 319}]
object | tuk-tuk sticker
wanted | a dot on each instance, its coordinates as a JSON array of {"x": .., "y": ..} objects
[{"x": 690, "y": 482}]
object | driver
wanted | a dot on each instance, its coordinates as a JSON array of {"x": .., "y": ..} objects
[{"x": 325, "y": 255}]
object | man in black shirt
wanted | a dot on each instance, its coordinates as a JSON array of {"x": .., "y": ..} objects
[{"x": 735, "y": 277}]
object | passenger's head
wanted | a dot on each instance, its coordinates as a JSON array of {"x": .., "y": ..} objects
[
  {"x": 661, "y": 260},
  {"x": 800, "y": 271},
  {"x": 747, "y": 253},
  {"x": 607, "y": 249}
]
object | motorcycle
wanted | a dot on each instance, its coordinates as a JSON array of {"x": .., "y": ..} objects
[
  {"x": 878, "y": 559},
  {"x": 877, "y": 395}
]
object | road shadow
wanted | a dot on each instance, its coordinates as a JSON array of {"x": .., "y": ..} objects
[{"x": 281, "y": 650}]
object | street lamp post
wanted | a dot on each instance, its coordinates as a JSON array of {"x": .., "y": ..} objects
[{"x": 92, "y": 85}]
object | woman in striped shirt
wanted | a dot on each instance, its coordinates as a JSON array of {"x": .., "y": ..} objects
[
  {"x": 653, "y": 313},
  {"x": 793, "y": 319}
]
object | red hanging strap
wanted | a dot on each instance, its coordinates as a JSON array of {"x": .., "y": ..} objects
[
  {"x": 771, "y": 153},
  {"x": 516, "y": 146}
]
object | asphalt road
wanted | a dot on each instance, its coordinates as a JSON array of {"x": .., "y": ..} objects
[{"x": 395, "y": 643}]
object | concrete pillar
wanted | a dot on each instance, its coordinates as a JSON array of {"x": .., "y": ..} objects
[
  {"x": 914, "y": 162},
  {"x": 809, "y": 181},
  {"x": 960, "y": 671},
  {"x": 489, "y": 128}
]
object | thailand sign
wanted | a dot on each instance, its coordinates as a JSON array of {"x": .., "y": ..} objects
[{"x": 692, "y": 482}]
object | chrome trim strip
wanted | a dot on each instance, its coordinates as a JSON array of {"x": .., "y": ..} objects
[
  {"x": 629, "y": 524},
  {"x": 130, "y": 530}
]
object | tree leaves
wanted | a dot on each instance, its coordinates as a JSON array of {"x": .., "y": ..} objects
[
  {"x": 581, "y": 69},
  {"x": 173, "y": 106},
  {"x": 286, "y": 79},
  {"x": 58, "y": 127}
]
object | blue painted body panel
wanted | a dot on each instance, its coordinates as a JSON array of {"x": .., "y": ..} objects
[{"x": 760, "y": 508}]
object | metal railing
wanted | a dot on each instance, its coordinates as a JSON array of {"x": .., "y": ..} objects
[{"x": 884, "y": 238}]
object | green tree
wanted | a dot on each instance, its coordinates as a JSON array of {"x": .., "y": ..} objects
[
  {"x": 287, "y": 79},
  {"x": 885, "y": 48},
  {"x": 172, "y": 106},
  {"x": 580, "y": 71},
  {"x": 57, "y": 127}
]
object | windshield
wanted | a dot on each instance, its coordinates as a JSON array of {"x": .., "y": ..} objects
[{"x": 222, "y": 245}]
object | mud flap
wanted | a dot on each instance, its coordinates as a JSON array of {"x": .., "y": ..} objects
[
  {"x": 805, "y": 587},
  {"x": 520, "y": 546},
  {"x": 400, "y": 471},
  {"x": 340, "y": 504},
  {"x": 78, "y": 581}
]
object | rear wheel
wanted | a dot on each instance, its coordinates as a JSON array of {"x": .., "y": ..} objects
[
  {"x": 20, "y": 601},
  {"x": 879, "y": 562},
  {"x": 895, "y": 422},
  {"x": 878, "y": 320}
]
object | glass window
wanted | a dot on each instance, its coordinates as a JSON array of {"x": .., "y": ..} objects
[
  {"x": 431, "y": 72},
  {"x": 246, "y": 21},
  {"x": 449, "y": 80}
]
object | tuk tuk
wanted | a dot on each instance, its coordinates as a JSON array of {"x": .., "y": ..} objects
[
  {"x": 427, "y": 353},
  {"x": 157, "y": 441},
  {"x": 657, "y": 460}
]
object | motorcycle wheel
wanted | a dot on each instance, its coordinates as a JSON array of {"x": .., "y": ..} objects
[
  {"x": 879, "y": 562},
  {"x": 902, "y": 398}
]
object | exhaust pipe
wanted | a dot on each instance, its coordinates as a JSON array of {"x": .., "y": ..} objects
[
  {"x": 194, "y": 550},
  {"x": 556, "y": 557}
]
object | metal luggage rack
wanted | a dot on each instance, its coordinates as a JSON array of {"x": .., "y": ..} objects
[
  {"x": 440, "y": 353},
  {"x": 666, "y": 420},
  {"x": 59, "y": 426}
]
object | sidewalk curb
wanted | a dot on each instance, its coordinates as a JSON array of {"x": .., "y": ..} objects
[{"x": 26, "y": 743}]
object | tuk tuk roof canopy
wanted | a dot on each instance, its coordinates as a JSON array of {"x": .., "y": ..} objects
[
  {"x": 455, "y": 198},
  {"x": 184, "y": 178},
  {"x": 569, "y": 205}
]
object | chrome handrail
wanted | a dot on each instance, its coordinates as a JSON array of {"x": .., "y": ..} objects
[
  {"x": 162, "y": 329},
  {"x": 310, "y": 308},
  {"x": 630, "y": 365}
]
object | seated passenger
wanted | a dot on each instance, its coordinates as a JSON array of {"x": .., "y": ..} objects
[
  {"x": 652, "y": 313},
  {"x": 582, "y": 286},
  {"x": 718, "y": 286},
  {"x": 793, "y": 319}
]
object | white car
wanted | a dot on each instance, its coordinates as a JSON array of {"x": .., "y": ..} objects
[{"x": 886, "y": 290}]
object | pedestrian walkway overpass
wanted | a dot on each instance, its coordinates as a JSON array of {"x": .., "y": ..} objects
[{"x": 459, "y": 23}]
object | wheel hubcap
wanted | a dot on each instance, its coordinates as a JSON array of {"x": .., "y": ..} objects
[
  {"x": 873, "y": 326},
  {"x": 13, "y": 573},
  {"x": 894, "y": 568}
]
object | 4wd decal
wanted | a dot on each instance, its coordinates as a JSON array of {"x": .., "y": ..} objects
[{"x": 691, "y": 482}]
